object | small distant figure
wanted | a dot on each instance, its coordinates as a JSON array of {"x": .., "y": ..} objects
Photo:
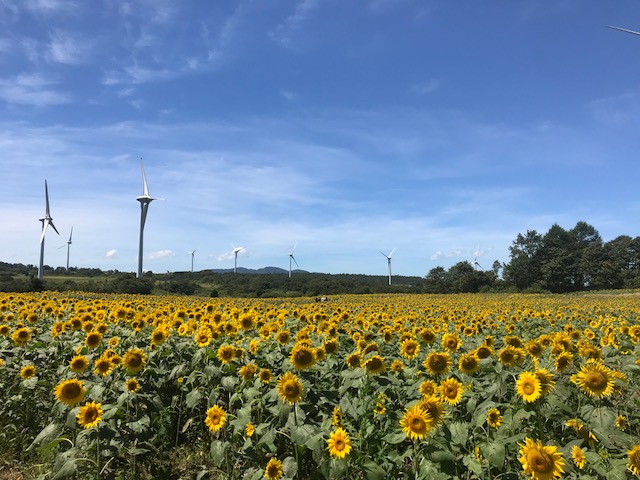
[{"x": 321, "y": 299}]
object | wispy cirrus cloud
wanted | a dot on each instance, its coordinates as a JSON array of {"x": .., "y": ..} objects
[
  {"x": 284, "y": 33},
  {"x": 67, "y": 48},
  {"x": 32, "y": 89},
  {"x": 426, "y": 87}
]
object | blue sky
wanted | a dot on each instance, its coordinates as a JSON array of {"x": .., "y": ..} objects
[{"x": 437, "y": 128}]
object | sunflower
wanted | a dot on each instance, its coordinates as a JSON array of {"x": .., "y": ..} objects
[
  {"x": 450, "y": 390},
  {"x": 409, "y": 348},
  {"x": 379, "y": 409},
  {"x": 331, "y": 346},
  {"x": 547, "y": 383},
  {"x": 132, "y": 385},
  {"x": 428, "y": 387},
  {"x": 114, "y": 342},
  {"x": 427, "y": 335},
  {"x": 249, "y": 429},
  {"x": 397, "y": 366},
  {"x": 511, "y": 356},
  {"x": 79, "y": 364},
  {"x": 469, "y": 363},
  {"x": 578, "y": 457},
  {"x": 542, "y": 462},
  {"x": 484, "y": 351},
  {"x": 621, "y": 423},
  {"x": 203, "y": 337},
  {"x": 595, "y": 379},
  {"x": 90, "y": 414},
  {"x": 273, "y": 470},
  {"x": 563, "y": 361},
  {"x": 290, "y": 388},
  {"x": 248, "y": 371},
  {"x": 416, "y": 423},
  {"x": 494, "y": 418},
  {"x": 354, "y": 359},
  {"x": 27, "y": 371},
  {"x": 283, "y": 336},
  {"x": 528, "y": 386},
  {"x": 336, "y": 416},
  {"x": 103, "y": 366},
  {"x": 21, "y": 336},
  {"x": 451, "y": 342},
  {"x": 302, "y": 356},
  {"x": 437, "y": 363},
  {"x": 339, "y": 443},
  {"x": 432, "y": 406},
  {"x": 265, "y": 375},
  {"x": 216, "y": 418},
  {"x": 134, "y": 360},
  {"x": 159, "y": 335},
  {"x": 93, "y": 339},
  {"x": 226, "y": 353},
  {"x": 634, "y": 460},
  {"x": 582, "y": 430},
  {"x": 70, "y": 392},
  {"x": 375, "y": 365}
]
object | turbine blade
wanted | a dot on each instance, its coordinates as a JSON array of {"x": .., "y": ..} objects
[
  {"x": 392, "y": 252},
  {"x": 71, "y": 235},
  {"x": 294, "y": 261},
  {"x": 624, "y": 30},
  {"x": 383, "y": 254},
  {"x": 46, "y": 196},
  {"x": 145, "y": 187},
  {"x": 44, "y": 230},
  {"x": 53, "y": 226}
]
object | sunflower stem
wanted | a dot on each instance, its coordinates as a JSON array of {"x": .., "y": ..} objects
[{"x": 98, "y": 452}]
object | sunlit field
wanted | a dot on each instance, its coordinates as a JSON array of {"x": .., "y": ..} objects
[{"x": 376, "y": 387}]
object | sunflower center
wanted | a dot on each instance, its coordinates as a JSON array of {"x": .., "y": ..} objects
[
  {"x": 135, "y": 361},
  {"x": 437, "y": 363},
  {"x": 90, "y": 415},
  {"x": 71, "y": 390},
  {"x": 417, "y": 424},
  {"x": 595, "y": 380},
  {"x": 338, "y": 444},
  {"x": 539, "y": 461},
  {"x": 291, "y": 389},
  {"x": 528, "y": 388}
]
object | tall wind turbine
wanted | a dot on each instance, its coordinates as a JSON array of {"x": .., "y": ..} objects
[
  {"x": 236, "y": 251},
  {"x": 291, "y": 257},
  {"x": 68, "y": 245},
  {"x": 475, "y": 263},
  {"x": 192, "y": 255},
  {"x": 46, "y": 221},
  {"x": 145, "y": 199},
  {"x": 388, "y": 257}
]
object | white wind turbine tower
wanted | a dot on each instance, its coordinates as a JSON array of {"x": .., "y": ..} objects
[
  {"x": 388, "y": 257},
  {"x": 46, "y": 221},
  {"x": 292, "y": 258},
  {"x": 144, "y": 200},
  {"x": 68, "y": 245},
  {"x": 475, "y": 263},
  {"x": 236, "y": 251},
  {"x": 192, "y": 255}
]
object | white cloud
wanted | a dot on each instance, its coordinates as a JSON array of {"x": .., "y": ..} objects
[
  {"x": 113, "y": 253},
  {"x": 283, "y": 34},
  {"x": 426, "y": 87},
  {"x": 31, "y": 90},
  {"x": 161, "y": 254},
  {"x": 67, "y": 49},
  {"x": 450, "y": 254}
]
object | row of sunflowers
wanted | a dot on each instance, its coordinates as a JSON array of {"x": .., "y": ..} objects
[{"x": 376, "y": 387}]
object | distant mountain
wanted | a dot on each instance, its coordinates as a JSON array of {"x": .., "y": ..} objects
[{"x": 260, "y": 271}]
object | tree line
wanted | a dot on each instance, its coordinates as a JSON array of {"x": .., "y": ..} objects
[{"x": 558, "y": 261}]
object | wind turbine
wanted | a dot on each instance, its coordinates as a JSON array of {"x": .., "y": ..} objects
[
  {"x": 192, "y": 254},
  {"x": 236, "y": 251},
  {"x": 388, "y": 257},
  {"x": 144, "y": 200},
  {"x": 291, "y": 257},
  {"x": 475, "y": 263},
  {"x": 46, "y": 221},
  {"x": 68, "y": 245}
]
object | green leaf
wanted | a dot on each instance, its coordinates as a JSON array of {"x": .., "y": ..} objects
[
  {"x": 290, "y": 467},
  {"x": 494, "y": 452},
  {"x": 140, "y": 425},
  {"x": 373, "y": 471},
  {"x": 459, "y": 433},
  {"x": 49, "y": 433},
  {"x": 394, "y": 438},
  {"x": 218, "y": 452},
  {"x": 193, "y": 398},
  {"x": 471, "y": 462}
]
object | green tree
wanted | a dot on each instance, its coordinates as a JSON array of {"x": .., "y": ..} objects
[{"x": 525, "y": 267}]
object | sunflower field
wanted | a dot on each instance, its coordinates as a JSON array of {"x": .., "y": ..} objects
[{"x": 361, "y": 387}]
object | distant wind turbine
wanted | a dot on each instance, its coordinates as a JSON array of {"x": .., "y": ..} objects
[
  {"x": 144, "y": 200},
  {"x": 46, "y": 221},
  {"x": 236, "y": 251},
  {"x": 475, "y": 263},
  {"x": 388, "y": 257},
  {"x": 292, "y": 258},
  {"x": 192, "y": 254},
  {"x": 68, "y": 245}
]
